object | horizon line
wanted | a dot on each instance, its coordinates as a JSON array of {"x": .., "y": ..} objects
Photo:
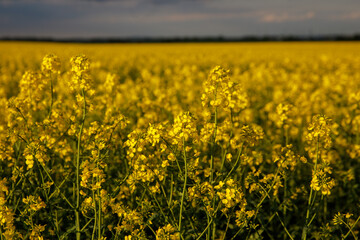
[{"x": 160, "y": 39}]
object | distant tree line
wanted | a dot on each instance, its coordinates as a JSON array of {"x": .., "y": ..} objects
[{"x": 265, "y": 38}]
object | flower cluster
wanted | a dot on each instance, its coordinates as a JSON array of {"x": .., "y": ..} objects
[
  {"x": 319, "y": 131},
  {"x": 33, "y": 203},
  {"x": 51, "y": 64},
  {"x": 203, "y": 193},
  {"x": 286, "y": 158},
  {"x": 80, "y": 67},
  {"x": 340, "y": 218},
  {"x": 321, "y": 181},
  {"x": 35, "y": 151},
  {"x": 230, "y": 194},
  {"x": 219, "y": 90},
  {"x": 6, "y": 214},
  {"x": 167, "y": 232},
  {"x": 183, "y": 128},
  {"x": 247, "y": 134},
  {"x": 283, "y": 111}
]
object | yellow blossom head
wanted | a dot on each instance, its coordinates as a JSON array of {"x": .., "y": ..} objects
[
  {"x": 80, "y": 64},
  {"x": 51, "y": 64}
]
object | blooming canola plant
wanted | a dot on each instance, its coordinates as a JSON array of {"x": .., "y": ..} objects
[{"x": 179, "y": 141}]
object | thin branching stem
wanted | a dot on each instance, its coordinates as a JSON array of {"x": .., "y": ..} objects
[
  {"x": 310, "y": 200},
  {"x": 184, "y": 187},
  {"x": 77, "y": 209}
]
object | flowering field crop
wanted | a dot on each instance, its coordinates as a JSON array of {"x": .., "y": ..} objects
[{"x": 179, "y": 141}]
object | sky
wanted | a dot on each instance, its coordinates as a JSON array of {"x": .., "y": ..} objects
[{"x": 177, "y": 18}]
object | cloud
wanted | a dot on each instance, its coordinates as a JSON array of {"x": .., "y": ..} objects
[
  {"x": 191, "y": 17},
  {"x": 198, "y": 16},
  {"x": 355, "y": 15},
  {"x": 175, "y": 17},
  {"x": 285, "y": 17},
  {"x": 71, "y": 2},
  {"x": 123, "y": 2}
]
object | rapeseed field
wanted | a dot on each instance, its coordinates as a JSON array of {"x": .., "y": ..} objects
[{"x": 180, "y": 141}]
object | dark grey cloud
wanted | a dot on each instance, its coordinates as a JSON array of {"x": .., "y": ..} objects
[{"x": 126, "y": 18}]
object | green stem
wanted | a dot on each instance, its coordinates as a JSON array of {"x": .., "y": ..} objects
[
  {"x": 226, "y": 229},
  {"x": 99, "y": 220},
  {"x": 260, "y": 203},
  {"x": 228, "y": 144},
  {"x": 95, "y": 215},
  {"x": 209, "y": 223},
  {"x": 192, "y": 225},
  {"x": 310, "y": 202},
  {"x": 83, "y": 228},
  {"x": 173, "y": 152},
  {"x": 212, "y": 168},
  {"x": 54, "y": 223},
  {"x": 167, "y": 201},
  {"x": 57, "y": 187},
  {"x": 241, "y": 229},
  {"x": 52, "y": 95},
  {"x": 282, "y": 223},
  {"x": 236, "y": 163},
  {"x": 184, "y": 188},
  {"x": 171, "y": 189},
  {"x": 350, "y": 229},
  {"x": 285, "y": 198},
  {"x": 157, "y": 203},
  {"x": 213, "y": 151},
  {"x": 13, "y": 189},
  {"x": 206, "y": 229},
  {"x": 77, "y": 211},
  {"x": 214, "y": 142},
  {"x": 152, "y": 230}
]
